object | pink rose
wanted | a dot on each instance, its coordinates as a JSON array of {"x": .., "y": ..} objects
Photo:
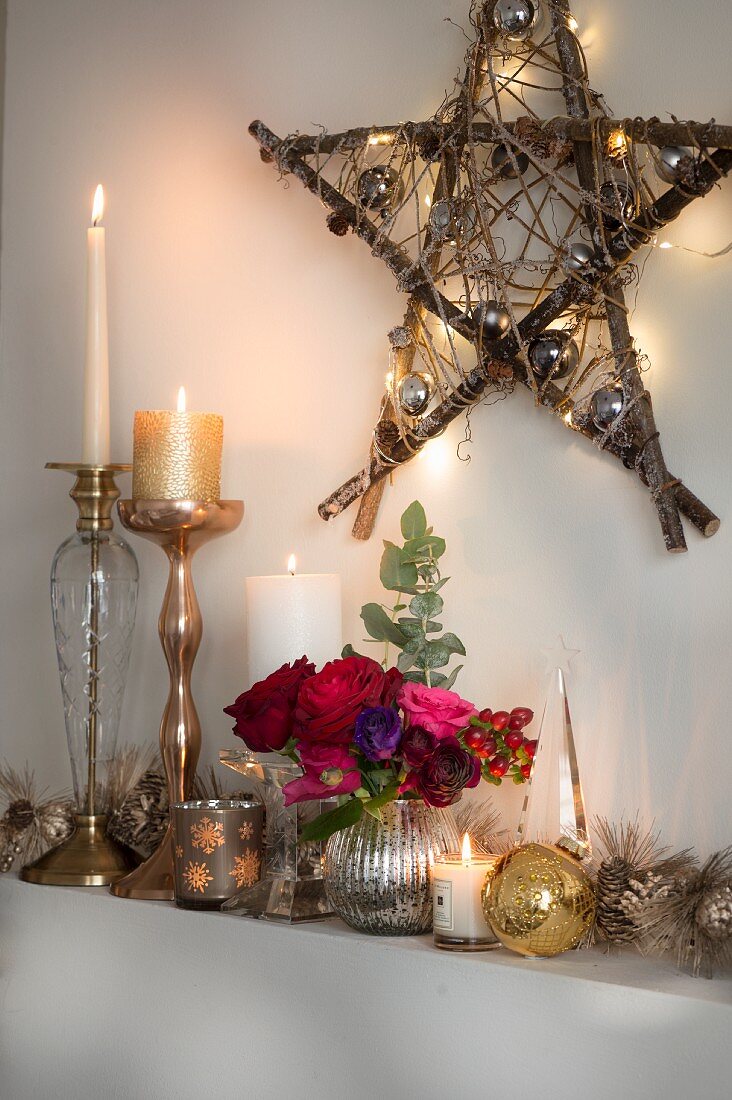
[{"x": 441, "y": 712}]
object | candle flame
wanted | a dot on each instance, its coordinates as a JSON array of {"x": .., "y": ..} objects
[
  {"x": 182, "y": 399},
  {"x": 291, "y": 564},
  {"x": 98, "y": 205},
  {"x": 467, "y": 850}
]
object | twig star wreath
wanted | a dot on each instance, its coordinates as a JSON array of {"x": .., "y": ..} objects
[{"x": 515, "y": 234}]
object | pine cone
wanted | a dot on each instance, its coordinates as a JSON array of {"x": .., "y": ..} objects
[
  {"x": 337, "y": 223},
  {"x": 400, "y": 337},
  {"x": 143, "y": 816},
  {"x": 55, "y": 822},
  {"x": 387, "y": 433},
  {"x": 543, "y": 143},
  {"x": 613, "y": 921},
  {"x": 19, "y": 815},
  {"x": 430, "y": 147},
  {"x": 714, "y": 913}
]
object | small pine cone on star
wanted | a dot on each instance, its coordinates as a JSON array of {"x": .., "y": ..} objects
[
  {"x": 337, "y": 223},
  {"x": 387, "y": 434}
]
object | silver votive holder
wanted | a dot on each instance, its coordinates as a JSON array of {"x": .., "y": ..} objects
[{"x": 217, "y": 849}]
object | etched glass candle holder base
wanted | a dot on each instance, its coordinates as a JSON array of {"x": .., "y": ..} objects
[{"x": 291, "y": 890}]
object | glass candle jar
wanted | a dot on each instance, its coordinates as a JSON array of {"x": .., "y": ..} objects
[
  {"x": 457, "y": 881},
  {"x": 217, "y": 848}
]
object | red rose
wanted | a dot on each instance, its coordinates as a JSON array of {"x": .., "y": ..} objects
[
  {"x": 264, "y": 713},
  {"x": 393, "y": 681},
  {"x": 329, "y": 703}
]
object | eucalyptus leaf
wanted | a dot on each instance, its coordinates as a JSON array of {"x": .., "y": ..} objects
[
  {"x": 453, "y": 643},
  {"x": 427, "y": 546},
  {"x": 414, "y": 521},
  {"x": 349, "y": 651},
  {"x": 379, "y": 625},
  {"x": 405, "y": 661},
  {"x": 450, "y": 680},
  {"x": 426, "y": 605},
  {"x": 433, "y": 655},
  {"x": 330, "y": 822},
  {"x": 415, "y": 628},
  {"x": 394, "y": 572}
]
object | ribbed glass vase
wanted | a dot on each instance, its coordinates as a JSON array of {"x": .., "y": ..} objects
[{"x": 378, "y": 875}]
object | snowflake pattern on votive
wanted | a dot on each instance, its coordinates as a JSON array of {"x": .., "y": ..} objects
[
  {"x": 207, "y": 834},
  {"x": 179, "y": 851},
  {"x": 246, "y": 830},
  {"x": 196, "y": 876},
  {"x": 246, "y": 868}
]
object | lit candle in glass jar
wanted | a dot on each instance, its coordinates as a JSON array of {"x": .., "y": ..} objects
[{"x": 457, "y": 884}]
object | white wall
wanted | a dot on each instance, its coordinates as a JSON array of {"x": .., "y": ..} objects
[{"x": 224, "y": 280}]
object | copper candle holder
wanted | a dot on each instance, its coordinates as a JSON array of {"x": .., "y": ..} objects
[{"x": 180, "y": 527}]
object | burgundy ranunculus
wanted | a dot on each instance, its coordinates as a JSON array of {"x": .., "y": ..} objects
[
  {"x": 445, "y": 774},
  {"x": 264, "y": 713},
  {"x": 417, "y": 744},
  {"x": 329, "y": 703}
]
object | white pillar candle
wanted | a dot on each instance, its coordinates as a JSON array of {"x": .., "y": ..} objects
[
  {"x": 95, "y": 431},
  {"x": 457, "y": 883},
  {"x": 292, "y": 615}
]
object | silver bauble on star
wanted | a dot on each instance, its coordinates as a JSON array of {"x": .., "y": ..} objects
[
  {"x": 620, "y": 202},
  {"x": 379, "y": 187},
  {"x": 449, "y": 221},
  {"x": 578, "y": 256},
  {"x": 515, "y": 19},
  {"x": 606, "y": 405},
  {"x": 667, "y": 165},
  {"x": 494, "y": 318},
  {"x": 414, "y": 392},
  {"x": 504, "y": 166},
  {"x": 553, "y": 354}
]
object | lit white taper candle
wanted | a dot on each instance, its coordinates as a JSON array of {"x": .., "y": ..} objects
[{"x": 95, "y": 433}]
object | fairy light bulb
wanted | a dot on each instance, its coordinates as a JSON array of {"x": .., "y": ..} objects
[{"x": 617, "y": 145}]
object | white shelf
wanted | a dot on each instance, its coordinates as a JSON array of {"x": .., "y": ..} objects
[{"x": 110, "y": 998}]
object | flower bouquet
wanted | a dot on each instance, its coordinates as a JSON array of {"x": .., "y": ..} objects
[{"x": 370, "y": 733}]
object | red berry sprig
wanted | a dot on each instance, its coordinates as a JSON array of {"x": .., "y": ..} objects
[{"x": 497, "y": 737}]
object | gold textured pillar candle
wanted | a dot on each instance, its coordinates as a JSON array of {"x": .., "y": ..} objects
[{"x": 177, "y": 455}]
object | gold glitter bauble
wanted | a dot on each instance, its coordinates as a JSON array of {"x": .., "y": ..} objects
[{"x": 538, "y": 900}]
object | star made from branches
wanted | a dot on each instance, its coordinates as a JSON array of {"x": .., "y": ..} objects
[{"x": 515, "y": 237}]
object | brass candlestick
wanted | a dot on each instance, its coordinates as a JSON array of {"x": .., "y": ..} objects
[
  {"x": 94, "y": 592},
  {"x": 180, "y": 527}
]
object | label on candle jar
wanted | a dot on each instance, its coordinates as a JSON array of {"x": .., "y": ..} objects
[{"x": 442, "y": 898}]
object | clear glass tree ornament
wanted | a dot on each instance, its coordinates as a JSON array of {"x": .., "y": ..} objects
[{"x": 94, "y": 580}]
